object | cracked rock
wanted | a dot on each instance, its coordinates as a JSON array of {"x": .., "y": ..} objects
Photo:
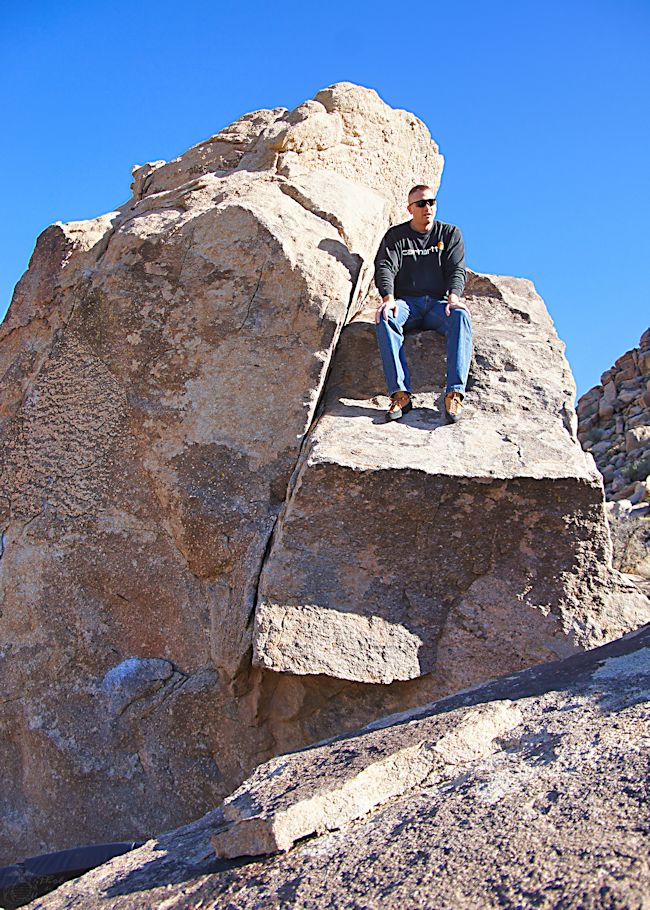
[
  {"x": 458, "y": 552},
  {"x": 160, "y": 366},
  {"x": 328, "y": 787},
  {"x": 529, "y": 791}
]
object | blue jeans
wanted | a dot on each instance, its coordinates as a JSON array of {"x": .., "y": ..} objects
[{"x": 425, "y": 313}]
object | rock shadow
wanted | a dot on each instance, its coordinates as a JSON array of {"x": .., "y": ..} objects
[
  {"x": 422, "y": 417},
  {"x": 172, "y": 870},
  {"x": 340, "y": 252},
  {"x": 578, "y": 675}
]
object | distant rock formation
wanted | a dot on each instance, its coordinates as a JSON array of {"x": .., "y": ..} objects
[
  {"x": 164, "y": 409},
  {"x": 614, "y": 426},
  {"x": 530, "y": 791}
]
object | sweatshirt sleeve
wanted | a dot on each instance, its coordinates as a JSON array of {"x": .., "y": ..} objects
[
  {"x": 453, "y": 263},
  {"x": 387, "y": 265}
]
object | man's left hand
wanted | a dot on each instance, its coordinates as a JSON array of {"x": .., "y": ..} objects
[{"x": 454, "y": 303}]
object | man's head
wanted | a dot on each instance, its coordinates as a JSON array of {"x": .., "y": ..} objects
[{"x": 421, "y": 212}]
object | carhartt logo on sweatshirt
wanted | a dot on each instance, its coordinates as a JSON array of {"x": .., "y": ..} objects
[{"x": 419, "y": 252}]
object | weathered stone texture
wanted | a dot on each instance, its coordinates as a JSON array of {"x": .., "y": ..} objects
[
  {"x": 614, "y": 426},
  {"x": 529, "y": 791},
  {"x": 630, "y": 529},
  {"x": 463, "y": 551},
  {"x": 160, "y": 366}
]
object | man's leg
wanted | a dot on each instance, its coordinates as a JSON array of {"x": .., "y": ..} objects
[
  {"x": 457, "y": 329},
  {"x": 390, "y": 337}
]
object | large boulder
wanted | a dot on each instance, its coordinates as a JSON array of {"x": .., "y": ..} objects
[
  {"x": 460, "y": 551},
  {"x": 160, "y": 367},
  {"x": 528, "y": 792}
]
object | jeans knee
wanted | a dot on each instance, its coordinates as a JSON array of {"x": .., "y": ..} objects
[
  {"x": 461, "y": 316},
  {"x": 461, "y": 324},
  {"x": 387, "y": 327}
]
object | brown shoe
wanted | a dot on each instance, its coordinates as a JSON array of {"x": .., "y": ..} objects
[
  {"x": 453, "y": 406},
  {"x": 400, "y": 404}
]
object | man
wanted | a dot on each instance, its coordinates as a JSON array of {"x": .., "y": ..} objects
[{"x": 420, "y": 275}]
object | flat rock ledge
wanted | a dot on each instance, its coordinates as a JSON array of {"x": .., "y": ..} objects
[
  {"x": 463, "y": 551},
  {"x": 531, "y": 790}
]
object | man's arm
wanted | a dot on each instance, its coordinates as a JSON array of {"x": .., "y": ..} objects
[
  {"x": 453, "y": 267},
  {"x": 387, "y": 265}
]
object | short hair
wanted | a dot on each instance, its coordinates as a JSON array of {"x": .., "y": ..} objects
[{"x": 418, "y": 187}]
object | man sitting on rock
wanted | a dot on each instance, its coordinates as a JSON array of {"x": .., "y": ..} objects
[{"x": 420, "y": 274}]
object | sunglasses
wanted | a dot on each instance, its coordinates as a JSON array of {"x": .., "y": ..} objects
[{"x": 422, "y": 202}]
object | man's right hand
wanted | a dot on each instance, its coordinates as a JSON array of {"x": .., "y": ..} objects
[{"x": 387, "y": 307}]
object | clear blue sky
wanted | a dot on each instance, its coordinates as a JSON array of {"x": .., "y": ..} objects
[{"x": 541, "y": 111}]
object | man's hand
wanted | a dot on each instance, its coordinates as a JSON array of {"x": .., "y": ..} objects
[
  {"x": 454, "y": 303},
  {"x": 387, "y": 307}
]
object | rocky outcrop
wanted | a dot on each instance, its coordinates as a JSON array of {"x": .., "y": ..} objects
[
  {"x": 614, "y": 426},
  {"x": 161, "y": 368},
  {"x": 630, "y": 529},
  {"x": 529, "y": 791},
  {"x": 459, "y": 551}
]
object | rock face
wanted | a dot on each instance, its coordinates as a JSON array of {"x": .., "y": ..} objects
[
  {"x": 529, "y": 791},
  {"x": 614, "y": 426},
  {"x": 161, "y": 367},
  {"x": 463, "y": 551},
  {"x": 630, "y": 528}
]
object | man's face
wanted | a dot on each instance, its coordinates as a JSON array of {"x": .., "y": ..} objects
[{"x": 422, "y": 218}]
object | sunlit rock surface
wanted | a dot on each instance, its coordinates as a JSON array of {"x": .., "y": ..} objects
[
  {"x": 462, "y": 551},
  {"x": 529, "y": 791},
  {"x": 161, "y": 368}
]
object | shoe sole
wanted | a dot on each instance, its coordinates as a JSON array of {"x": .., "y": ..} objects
[{"x": 398, "y": 412}]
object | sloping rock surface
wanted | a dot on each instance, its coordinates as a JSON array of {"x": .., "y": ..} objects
[
  {"x": 463, "y": 551},
  {"x": 529, "y": 791},
  {"x": 159, "y": 368}
]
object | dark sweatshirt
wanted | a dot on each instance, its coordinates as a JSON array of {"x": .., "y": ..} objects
[{"x": 410, "y": 264}]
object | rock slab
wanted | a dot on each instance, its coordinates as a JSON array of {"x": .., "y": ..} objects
[
  {"x": 461, "y": 551},
  {"x": 535, "y": 793}
]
